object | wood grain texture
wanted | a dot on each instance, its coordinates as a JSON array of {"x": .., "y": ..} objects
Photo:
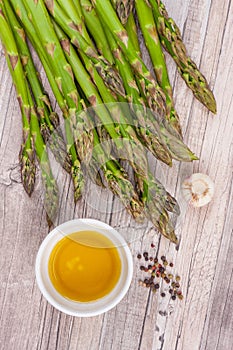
[{"x": 204, "y": 319}]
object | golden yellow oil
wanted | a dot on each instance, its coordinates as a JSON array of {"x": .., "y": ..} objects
[{"x": 84, "y": 266}]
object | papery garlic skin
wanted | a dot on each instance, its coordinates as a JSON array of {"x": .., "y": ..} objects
[{"x": 198, "y": 189}]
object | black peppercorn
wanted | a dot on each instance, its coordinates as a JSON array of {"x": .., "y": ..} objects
[{"x": 139, "y": 256}]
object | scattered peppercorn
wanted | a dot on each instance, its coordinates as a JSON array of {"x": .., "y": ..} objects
[
  {"x": 157, "y": 270},
  {"x": 152, "y": 245}
]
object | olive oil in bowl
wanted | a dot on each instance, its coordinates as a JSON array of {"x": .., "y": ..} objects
[{"x": 84, "y": 266}]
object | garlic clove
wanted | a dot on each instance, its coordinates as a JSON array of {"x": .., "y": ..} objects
[{"x": 198, "y": 189}]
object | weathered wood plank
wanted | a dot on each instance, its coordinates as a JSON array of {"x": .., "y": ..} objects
[{"x": 141, "y": 321}]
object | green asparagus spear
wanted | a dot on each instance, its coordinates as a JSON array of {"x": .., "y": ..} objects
[
  {"x": 95, "y": 28},
  {"x": 154, "y": 198},
  {"x": 148, "y": 27},
  {"x": 171, "y": 39},
  {"x": 27, "y": 154},
  {"x": 48, "y": 119},
  {"x": 131, "y": 29},
  {"x": 51, "y": 199}
]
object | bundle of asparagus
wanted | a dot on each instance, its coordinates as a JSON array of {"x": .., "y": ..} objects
[{"x": 114, "y": 108}]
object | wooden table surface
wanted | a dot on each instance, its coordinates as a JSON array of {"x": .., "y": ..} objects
[{"x": 204, "y": 260}]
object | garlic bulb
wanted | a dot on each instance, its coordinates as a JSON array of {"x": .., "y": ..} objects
[{"x": 198, "y": 189}]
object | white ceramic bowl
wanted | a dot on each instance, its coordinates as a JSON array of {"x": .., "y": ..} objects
[{"x": 83, "y": 309}]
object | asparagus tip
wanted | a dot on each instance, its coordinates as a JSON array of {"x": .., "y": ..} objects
[
  {"x": 213, "y": 107},
  {"x": 49, "y": 221},
  {"x": 209, "y": 101},
  {"x": 78, "y": 180},
  {"x": 194, "y": 157}
]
